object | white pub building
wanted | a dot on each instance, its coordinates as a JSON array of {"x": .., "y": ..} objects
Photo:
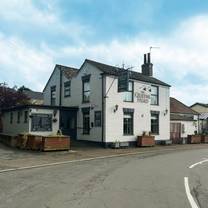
[{"x": 106, "y": 112}]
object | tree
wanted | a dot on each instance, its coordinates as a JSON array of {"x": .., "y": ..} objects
[{"x": 10, "y": 97}]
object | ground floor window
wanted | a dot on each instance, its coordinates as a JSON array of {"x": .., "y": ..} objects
[
  {"x": 98, "y": 118},
  {"x": 86, "y": 122},
  {"x": 128, "y": 123},
  {"x": 155, "y": 122},
  {"x": 41, "y": 122}
]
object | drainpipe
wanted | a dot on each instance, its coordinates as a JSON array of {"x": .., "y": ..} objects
[
  {"x": 60, "y": 87},
  {"x": 103, "y": 110}
]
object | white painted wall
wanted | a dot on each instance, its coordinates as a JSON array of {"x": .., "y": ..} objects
[
  {"x": 142, "y": 113},
  {"x": 113, "y": 124},
  {"x": 189, "y": 127},
  {"x": 55, "y": 125},
  {"x": 14, "y": 128},
  {"x": 17, "y": 128},
  {"x": 54, "y": 81}
]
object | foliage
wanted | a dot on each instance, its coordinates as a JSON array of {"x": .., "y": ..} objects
[{"x": 10, "y": 97}]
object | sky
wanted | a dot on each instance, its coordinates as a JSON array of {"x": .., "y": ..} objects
[{"x": 35, "y": 35}]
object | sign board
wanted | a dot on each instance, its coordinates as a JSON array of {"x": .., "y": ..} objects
[
  {"x": 142, "y": 97},
  {"x": 123, "y": 81}
]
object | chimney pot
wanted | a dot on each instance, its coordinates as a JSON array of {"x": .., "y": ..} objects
[
  {"x": 145, "y": 59},
  {"x": 149, "y": 59}
]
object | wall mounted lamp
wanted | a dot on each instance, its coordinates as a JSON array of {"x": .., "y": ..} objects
[{"x": 115, "y": 108}]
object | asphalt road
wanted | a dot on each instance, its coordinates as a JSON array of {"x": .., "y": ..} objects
[{"x": 152, "y": 180}]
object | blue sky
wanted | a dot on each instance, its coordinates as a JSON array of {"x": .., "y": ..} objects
[{"x": 35, "y": 35}]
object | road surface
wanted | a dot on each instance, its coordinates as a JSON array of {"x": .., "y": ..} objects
[{"x": 153, "y": 180}]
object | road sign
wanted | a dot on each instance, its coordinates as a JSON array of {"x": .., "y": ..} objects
[{"x": 123, "y": 81}]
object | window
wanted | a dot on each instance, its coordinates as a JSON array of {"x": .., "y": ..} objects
[
  {"x": 18, "y": 116},
  {"x": 41, "y": 122},
  {"x": 155, "y": 122},
  {"x": 154, "y": 95},
  {"x": 67, "y": 89},
  {"x": 86, "y": 121},
  {"x": 98, "y": 118},
  {"x": 53, "y": 95},
  {"x": 128, "y": 121},
  {"x": 129, "y": 95},
  {"x": 86, "y": 89},
  {"x": 26, "y": 117},
  {"x": 11, "y": 117}
]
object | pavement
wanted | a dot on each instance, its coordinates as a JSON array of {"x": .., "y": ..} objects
[{"x": 105, "y": 178}]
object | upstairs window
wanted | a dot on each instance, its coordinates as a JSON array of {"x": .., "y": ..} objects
[
  {"x": 67, "y": 89},
  {"x": 154, "y": 95},
  {"x": 53, "y": 95},
  {"x": 129, "y": 95},
  {"x": 86, "y": 89}
]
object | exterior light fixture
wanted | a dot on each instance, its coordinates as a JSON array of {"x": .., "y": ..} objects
[{"x": 115, "y": 108}]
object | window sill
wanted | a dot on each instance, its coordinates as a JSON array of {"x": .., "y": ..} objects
[
  {"x": 128, "y": 101},
  {"x": 128, "y": 134},
  {"x": 155, "y": 104},
  {"x": 155, "y": 134}
]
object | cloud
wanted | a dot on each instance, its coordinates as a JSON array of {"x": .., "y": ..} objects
[
  {"x": 23, "y": 65},
  {"x": 45, "y": 18},
  {"x": 183, "y": 54}
]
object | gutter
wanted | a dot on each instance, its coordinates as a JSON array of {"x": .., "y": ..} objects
[{"x": 103, "y": 110}]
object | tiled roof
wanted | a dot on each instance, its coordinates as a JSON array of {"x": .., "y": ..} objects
[
  {"x": 69, "y": 72},
  {"x": 112, "y": 70},
  {"x": 177, "y": 117},
  {"x": 178, "y": 107},
  {"x": 201, "y": 104},
  {"x": 33, "y": 95}
]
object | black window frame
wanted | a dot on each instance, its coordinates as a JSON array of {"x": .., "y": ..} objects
[
  {"x": 18, "y": 116},
  {"x": 97, "y": 119},
  {"x": 11, "y": 117},
  {"x": 34, "y": 127},
  {"x": 154, "y": 95},
  {"x": 128, "y": 131},
  {"x": 86, "y": 122},
  {"x": 53, "y": 99},
  {"x": 130, "y": 91},
  {"x": 25, "y": 116},
  {"x": 67, "y": 88},
  {"x": 157, "y": 123},
  {"x": 86, "y": 79}
]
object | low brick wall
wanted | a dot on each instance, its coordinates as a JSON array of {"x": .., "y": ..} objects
[
  {"x": 9, "y": 140},
  {"x": 194, "y": 139},
  {"x": 145, "y": 141},
  {"x": 204, "y": 138}
]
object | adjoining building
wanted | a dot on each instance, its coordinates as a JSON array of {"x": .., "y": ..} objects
[
  {"x": 35, "y": 119},
  {"x": 202, "y": 109},
  {"x": 106, "y": 115},
  {"x": 183, "y": 121}
]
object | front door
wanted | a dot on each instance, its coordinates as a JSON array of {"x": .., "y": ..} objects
[
  {"x": 175, "y": 132},
  {"x": 68, "y": 123}
]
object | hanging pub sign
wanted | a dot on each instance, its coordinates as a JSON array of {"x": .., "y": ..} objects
[{"x": 123, "y": 81}]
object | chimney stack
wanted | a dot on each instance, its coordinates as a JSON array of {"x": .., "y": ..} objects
[{"x": 147, "y": 67}]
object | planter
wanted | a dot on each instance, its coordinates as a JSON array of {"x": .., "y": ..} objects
[
  {"x": 52, "y": 143},
  {"x": 8, "y": 140},
  {"x": 22, "y": 141},
  {"x": 194, "y": 139},
  {"x": 34, "y": 142},
  {"x": 204, "y": 138},
  {"x": 145, "y": 141}
]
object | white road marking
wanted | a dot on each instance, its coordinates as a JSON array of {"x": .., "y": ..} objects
[
  {"x": 188, "y": 193},
  {"x": 198, "y": 163}
]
